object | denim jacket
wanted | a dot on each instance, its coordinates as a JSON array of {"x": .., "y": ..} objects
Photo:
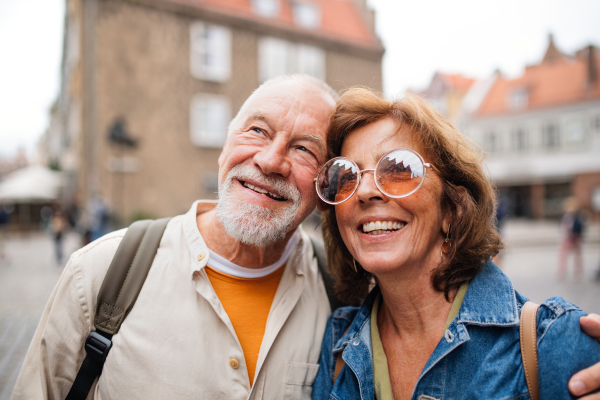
[{"x": 479, "y": 356}]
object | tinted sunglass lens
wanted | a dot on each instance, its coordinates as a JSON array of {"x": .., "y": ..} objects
[
  {"x": 337, "y": 180},
  {"x": 400, "y": 172}
]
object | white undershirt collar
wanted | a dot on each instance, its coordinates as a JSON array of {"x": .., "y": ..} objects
[{"x": 221, "y": 264}]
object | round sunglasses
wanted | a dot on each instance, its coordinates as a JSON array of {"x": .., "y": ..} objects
[{"x": 397, "y": 174}]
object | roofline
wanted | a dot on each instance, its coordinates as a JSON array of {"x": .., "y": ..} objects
[
  {"x": 509, "y": 113},
  {"x": 291, "y": 33}
]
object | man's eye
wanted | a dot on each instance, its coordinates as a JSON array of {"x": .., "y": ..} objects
[
  {"x": 258, "y": 130},
  {"x": 302, "y": 148}
]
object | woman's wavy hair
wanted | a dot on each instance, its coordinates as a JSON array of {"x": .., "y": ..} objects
[{"x": 467, "y": 193}]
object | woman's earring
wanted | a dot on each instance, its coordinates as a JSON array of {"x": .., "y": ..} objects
[
  {"x": 447, "y": 243},
  {"x": 354, "y": 263}
]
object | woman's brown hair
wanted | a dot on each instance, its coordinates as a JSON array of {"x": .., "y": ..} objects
[{"x": 467, "y": 192}]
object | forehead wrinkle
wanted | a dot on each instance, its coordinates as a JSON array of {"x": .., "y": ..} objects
[{"x": 294, "y": 108}]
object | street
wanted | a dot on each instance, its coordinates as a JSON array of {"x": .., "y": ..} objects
[{"x": 26, "y": 282}]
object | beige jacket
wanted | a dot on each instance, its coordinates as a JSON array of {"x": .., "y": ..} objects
[{"x": 177, "y": 342}]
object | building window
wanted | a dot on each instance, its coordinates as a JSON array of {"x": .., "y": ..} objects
[
  {"x": 307, "y": 15},
  {"x": 210, "y": 52},
  {"x": 519, "y": 139},
  {"x": 550, "y": 137},
  {"x": 574, "y": 132},
  {"x": 209, "y": 118},
  {"x": 491, "y": 142},
  {"x": 266, "y": 8},
  {"x": 518, "y": 99},
  {"x": 278, "y": 57}
]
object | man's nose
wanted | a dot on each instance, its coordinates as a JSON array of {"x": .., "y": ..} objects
[
  {"x": 367, "y": 189},
  {"x": 274, "y": 159}
]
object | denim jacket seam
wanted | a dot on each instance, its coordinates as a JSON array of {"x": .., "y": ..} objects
[
  {"x": 483, "y": 323},
  {"x": 553, "y": 318},
  {"x": 519, "y": 396}
]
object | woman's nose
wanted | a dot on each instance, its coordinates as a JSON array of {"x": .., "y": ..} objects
[
  {"x": 367, "y": 189},
  {"x": 273, "y": 159}
]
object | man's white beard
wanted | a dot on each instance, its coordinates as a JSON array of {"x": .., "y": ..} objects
[{"x": 252, "y": 224}]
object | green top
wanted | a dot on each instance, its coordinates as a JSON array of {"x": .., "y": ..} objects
[{"x": 383, "y": 385}]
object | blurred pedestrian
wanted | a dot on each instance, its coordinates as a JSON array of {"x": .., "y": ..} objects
[
  {"x": 3, "y": 228},
  {"x": 572, "y": 225},
  {"x": 99, "y": 217},
  {"x": 59, "y": 224}
]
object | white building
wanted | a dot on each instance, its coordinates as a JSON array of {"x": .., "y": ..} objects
[{"x": 541, "y": 133}]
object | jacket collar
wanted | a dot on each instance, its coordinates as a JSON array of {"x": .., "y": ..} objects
[{"x": 490, "y": 299}]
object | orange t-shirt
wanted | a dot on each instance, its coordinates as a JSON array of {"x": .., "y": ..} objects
[{"x": 247, "y": 302}]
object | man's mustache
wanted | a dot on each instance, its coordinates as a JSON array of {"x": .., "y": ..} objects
[{"x": 279, "y": 185}]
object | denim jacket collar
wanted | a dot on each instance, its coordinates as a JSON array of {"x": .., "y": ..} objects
[{"x": 490, "y": 300}]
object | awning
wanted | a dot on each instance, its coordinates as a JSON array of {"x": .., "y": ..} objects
[{"x": 33, "y": 184}]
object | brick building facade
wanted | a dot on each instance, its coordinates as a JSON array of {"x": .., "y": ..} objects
[{"x": 149, "y": 86}]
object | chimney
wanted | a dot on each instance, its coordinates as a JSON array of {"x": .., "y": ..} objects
[
  {"x": 592, "y": 68},
  {"x": 552, "y": 52}
]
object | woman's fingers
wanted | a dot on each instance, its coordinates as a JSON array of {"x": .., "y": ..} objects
[
  {"x": 588, "y": 380},
  {"x": 591, "y": 325}
]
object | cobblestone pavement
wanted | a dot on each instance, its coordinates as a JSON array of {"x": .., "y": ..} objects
[
  {"x": 27, "y": 282},
  {"x": 533, "y": 272}
]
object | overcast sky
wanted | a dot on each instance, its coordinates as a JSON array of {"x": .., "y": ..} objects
[{"x": 472, "y": 37}]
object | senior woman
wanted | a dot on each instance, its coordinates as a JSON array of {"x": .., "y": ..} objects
[{"x": 410, "y": 210}]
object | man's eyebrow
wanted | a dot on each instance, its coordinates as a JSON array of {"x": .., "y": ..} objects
[
  {"x": 317, "y": 140},
  {"x": 256, "y": 115}
]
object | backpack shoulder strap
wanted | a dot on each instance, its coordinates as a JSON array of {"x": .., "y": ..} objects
[
  {"x": 127, "y": 273},
  {"x": 529, "y": 352},
  {"x": 320, "y": 255},
  {"x": 118, "y": 293}
]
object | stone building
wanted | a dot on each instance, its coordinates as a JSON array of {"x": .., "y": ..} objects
[
  {"x": 541, "y": 133},
  {"x": 149, "y": 86}
]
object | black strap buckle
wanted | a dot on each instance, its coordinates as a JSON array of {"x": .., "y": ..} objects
[{"x": 97, "y": 347}]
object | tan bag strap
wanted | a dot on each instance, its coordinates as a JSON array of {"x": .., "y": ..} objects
[
  {"x": 127, "y": 273},
  {"x": 339, "y": 362},
  {"x": 529, "y": 353}
]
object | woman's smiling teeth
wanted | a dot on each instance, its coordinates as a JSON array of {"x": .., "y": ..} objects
[
  {"x": 262, "y": 191},
  {"x": 380, "y": 227}
]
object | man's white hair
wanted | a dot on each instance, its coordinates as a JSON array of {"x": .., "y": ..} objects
[{"x": 306, "y": 82}]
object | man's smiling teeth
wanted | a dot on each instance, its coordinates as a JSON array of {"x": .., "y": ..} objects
[
  {"x": 262, "y": 191},
  {"x": 379, "y": 227}
]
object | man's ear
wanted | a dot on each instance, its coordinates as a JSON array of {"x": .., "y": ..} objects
[{"x": 321, "y": 205}]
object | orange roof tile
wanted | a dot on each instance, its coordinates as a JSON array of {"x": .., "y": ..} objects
[
  {"x": 547, "y": 84},
  {"x": 341, "y": 20},
  {"x": 459, "y": 82}
]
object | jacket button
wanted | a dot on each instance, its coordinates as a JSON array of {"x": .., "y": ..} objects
[
  {"x": 234, "y": 363},
  {"x": 201, "y": 256}
]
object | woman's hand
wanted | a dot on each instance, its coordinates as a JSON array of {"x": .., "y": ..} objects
[{"x": 588, "y": 380}]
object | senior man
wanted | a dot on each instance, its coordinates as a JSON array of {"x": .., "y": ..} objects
[{"x": 233, "y": 306}]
